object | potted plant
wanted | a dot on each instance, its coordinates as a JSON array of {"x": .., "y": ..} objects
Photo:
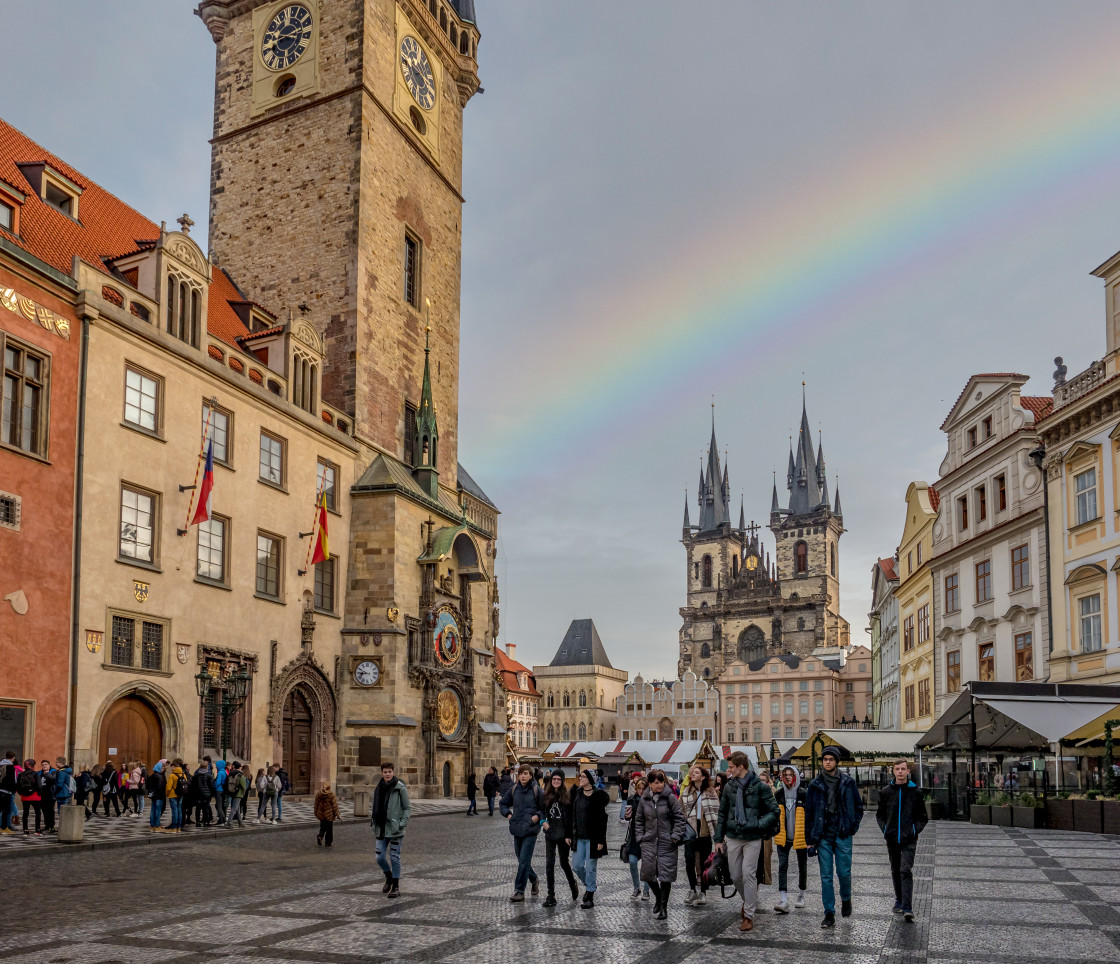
[
  {"x": 1059, "y": 812},
  {"x": 1087, "y": 813},
  {"x": 1027, "y": 812},
  {"x": 1001, "y": 809},
  {"x": 981, "y": 810}
]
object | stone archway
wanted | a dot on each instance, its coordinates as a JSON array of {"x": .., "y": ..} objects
[
  {"x": 303, "y": 722},
  {"x": 142, "y": 719}
]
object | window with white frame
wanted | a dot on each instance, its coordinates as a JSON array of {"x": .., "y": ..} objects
[
  {"x": 141, "y": 399},
  {"x": 1085, "y": 487},
  {"x": 1089, "y": 608},
  {"x": 272, "y": 459},
  {"x": 212, "y": 550},
  {"x": 138, "y": 525},
  {"x": 216, "y": 428}
]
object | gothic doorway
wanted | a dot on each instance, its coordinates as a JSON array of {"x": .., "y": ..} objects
[
  {"x": 447, "y": 779},
  {"x": 297, "y": 741},
  {"x": 130, "y": 730}
]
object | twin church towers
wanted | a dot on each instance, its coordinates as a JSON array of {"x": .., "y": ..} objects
[{"x": 742, "y": 603}]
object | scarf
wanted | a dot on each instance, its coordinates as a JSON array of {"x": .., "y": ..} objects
[
  {"x": 832, "y": 787},
  {"x": 740, "y": 809},
  {"x": 381, "y": 803}
]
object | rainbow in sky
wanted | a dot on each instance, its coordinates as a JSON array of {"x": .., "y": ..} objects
[{"x": 835, "y": 241}]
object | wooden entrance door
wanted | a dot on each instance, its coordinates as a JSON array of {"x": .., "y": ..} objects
[
  {"x": 447, "y": 779},
  {"x": 297, "y": 742},
  {"x": 130, "y": 731}
]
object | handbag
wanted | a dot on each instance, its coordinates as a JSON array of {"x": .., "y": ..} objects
[
  {"x": 717, "y": 873},
  {"x": 690, "y": 832}
]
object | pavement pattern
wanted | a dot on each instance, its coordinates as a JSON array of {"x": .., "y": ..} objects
[{"x": 990, "y": 894}]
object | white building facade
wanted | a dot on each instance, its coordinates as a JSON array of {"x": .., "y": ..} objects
[{"x": 884, "y": 645}]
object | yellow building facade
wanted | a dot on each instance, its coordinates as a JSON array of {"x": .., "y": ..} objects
[{"x": 915, "y": 608}]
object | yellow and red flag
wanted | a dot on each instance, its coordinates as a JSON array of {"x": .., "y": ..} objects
[{"x": 322, "y": 551}]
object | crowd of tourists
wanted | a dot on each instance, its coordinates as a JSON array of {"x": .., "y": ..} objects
[{"x": 211, "y": 794}]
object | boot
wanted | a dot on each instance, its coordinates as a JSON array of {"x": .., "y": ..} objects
[
  {"x": 388, "y": 883},
  {"x": 588, "y": 900},
  {"x": 782, "y": 907},
  {"x": 536, "y": 888},
  {"x": 575, "y": 889},
  {"x": 395, "y": 890},
  {"x": 549, "y": 901}
]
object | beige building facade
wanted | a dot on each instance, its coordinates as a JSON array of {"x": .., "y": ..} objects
[
  {"x": 580, "y": 688},
  {"x": 682, "y": 709},
  {"x": 915, "y": 608}
]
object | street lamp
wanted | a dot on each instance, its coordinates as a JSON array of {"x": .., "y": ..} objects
[{"x": 234, "y": 693}]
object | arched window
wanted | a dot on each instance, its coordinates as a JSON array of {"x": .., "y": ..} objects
[
  {"x": 705, "y": 651},
  {"x": 707, "y": 672},
  {"x": 706, "y": 572},
  {"x": 752, "y": 644},
  {"x": 602, "y": 731},
  {"x": 582, "y": 698},
  {"x": 800, "y": 622},
  {"x": 550, "y": 701},
  {"x": 464, "y": 44},
  {"x": 582, "y": 731},
  {"x": 832, "y": 557},
  {"x": 566, "y": 732},
  {"x": 800, "y": 558},
  {"x": 734, "y": 565},
  {"x": 612, "y": 733},
  {"x": 549, "y": 731},
  {"x": 600, "y": 697},
  {"x": 567, "y": 700}
]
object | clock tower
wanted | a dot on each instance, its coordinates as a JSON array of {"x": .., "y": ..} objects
[{"x": 336, "y": 197}]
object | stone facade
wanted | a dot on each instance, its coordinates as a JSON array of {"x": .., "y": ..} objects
[
  {"x": 916, "y": 614},
  {"x": 740, "y": 604},
  {"x": 682, "y": 709},
  {"x": 884, "y": 644},
  {"x": 523, "y": 701},
  {"x": 580, "y": 689},
  {"x": 989, "y": 544},
  {"x": 790, "y": 697}
]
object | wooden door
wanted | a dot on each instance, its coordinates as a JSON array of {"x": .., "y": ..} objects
[
  {"x": 447, "y": 779},
  {"x": 297, "y": 742},
  {"x": 130, "y": 731}
]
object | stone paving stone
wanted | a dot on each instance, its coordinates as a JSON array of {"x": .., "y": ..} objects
[
  {"x": 83, "y": 953},
  {"x": 1087, "y": 942},
  {"x": 381, "y": 939},
  {"x": 1008, "y": 890},
  {"x": 223, "y": 928},
  {"x": 1020, "y": 911}
]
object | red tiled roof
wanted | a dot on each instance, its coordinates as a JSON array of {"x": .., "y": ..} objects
[
  {"x": 508, "y": 669},
  {"x": 1041, "y": 405},
  {"x": 274, "y": 330},
  {"x": 887, "y": 565},
  {"x": 934, "y": 498},
  {"x": 221, "y": 320}
]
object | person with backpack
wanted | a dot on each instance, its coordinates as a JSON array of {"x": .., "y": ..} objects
[
  {"x": 700, "y": 806},
  {"x": 791, "y": 836},
  {"x": 27, "y": 784},
  {"x": 110, "y": 788},
  {"x": 7, "y": 790},
  {"x": 46, "y": 795},
  {"x": 659, "y": 828},
  {"x": 272, "y": 789},
  {"x": 490, "y": 788},
  {"x": 521, "y": 805},
  {"x": 260, "y": 783},
  {"x": 177, "y": 787},
  {"x": 203, "y": 792},
  {"x": 390, "y": 811},
  {"x": 236, "y": 789},
  {"x": 589, "y": 833},
  {"x": 136, "y": 787},
  {"x": 326, "y": 812},
  {"x": 93, "y": 791},
  {"x": 833, "y": 811},
  {"x": 505, "y": 784},
  {"x": 285, "y": 787},
  {"x": 64, "y": 784},
  {"x": 557, "y": 826},
  {"x": 901, "y": 817},
  {"x": 221, "y": 774},
  {"x": 748, "y": 814},
  {"x": 156, "y": 788},
  {"x": 247, "y": 774}
]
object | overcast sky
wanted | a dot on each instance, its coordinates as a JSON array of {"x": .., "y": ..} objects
[{"x": 670, "y": 201}]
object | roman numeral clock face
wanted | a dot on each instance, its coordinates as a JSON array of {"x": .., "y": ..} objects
[
  {"x": 286, "y": 37},
  {"x": 418, "y": 73}
]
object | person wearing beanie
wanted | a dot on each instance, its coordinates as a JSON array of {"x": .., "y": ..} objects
[
  {"x": 748, "y": 814},
  {"x": 901, "y": 817},
  {"x": 589, "y": 833},
  {"x": 833, "y": 811},
  {"x": 521, "y": 805},
  {"x": 791, "y": 836},
  {"x": 557, "y": 826}
]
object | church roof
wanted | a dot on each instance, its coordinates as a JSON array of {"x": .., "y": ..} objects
[
  {"x": 465, "y": 10},
  {"x": 581, "y": 646},
  {"x": 715, "y": 490},
  {"x": 468, "y": 485}
]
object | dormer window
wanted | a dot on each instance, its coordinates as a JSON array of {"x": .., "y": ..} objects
[
  {"x": 56, "y": 197},
  {"x": 183, "y": 309},
  {"x": 7, "y": 216}
]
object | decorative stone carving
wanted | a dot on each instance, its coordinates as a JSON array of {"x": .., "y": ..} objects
[{"x": 304, "y": 671}]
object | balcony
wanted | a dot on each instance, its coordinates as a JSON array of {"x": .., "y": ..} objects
[{"x": 1080, "y": 384}]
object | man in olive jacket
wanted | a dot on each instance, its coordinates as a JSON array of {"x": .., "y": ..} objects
[
  {"x": 901, "y": 817},
  {"x": 748, "y": 814},
  {"x": 389, "y": 814}
]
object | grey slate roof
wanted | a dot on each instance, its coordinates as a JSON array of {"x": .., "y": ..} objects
[
  {"x": 468, "y": 485},
  {"x": 465, "y": 10},
  {"x": 581, "y": 646},
  {"x": 715, "y": 492}
]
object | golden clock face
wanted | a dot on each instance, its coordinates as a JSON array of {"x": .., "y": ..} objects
[
  {"x": 449, "y": 713},
  {"x": 286, "y": 37},
  {"x": 417, "y": 73}
]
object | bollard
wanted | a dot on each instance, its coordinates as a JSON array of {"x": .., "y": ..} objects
[
  {"x": 361, "y": 803},
  {"x": 71, "y": 823}
]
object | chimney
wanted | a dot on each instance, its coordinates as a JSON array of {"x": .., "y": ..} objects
[{"x": 511, "y": 648}]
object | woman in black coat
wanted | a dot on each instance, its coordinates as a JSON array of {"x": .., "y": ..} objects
[
  {"x": 588, "y": 838},
  {"x": 557, "y": 826},
  {"x": 659, "y": 826}
]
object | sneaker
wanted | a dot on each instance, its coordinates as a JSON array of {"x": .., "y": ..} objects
[
  {"x": 897, "y": 909},
  {"x": 845, "y": 908},
  {"x": 637, "y": 895},
  {"x": 690, "y": 897},
  {"x": 782, "y": 907},
  {"x": 272, "y": 821},
  {"x": 829, "y": 920},
  {"x": 908, "y": 916},
  {"x": 549, "y": 901},
  {"x": 800, "y": 902},
  {"x": 257, "y": 820},
  {"x": 645, "y": 895},
  {"x": 701, "y": 898},
  {"x": 517, "y": 898}
]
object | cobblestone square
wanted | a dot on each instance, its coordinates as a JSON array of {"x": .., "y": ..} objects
[{"x": 981, "y": 893}]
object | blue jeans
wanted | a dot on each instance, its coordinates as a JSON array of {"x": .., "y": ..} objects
[
  {"x": 584, "y": 864},
  {"x": 279, "y": 805},
  {"x": 157, "y": 812},
  {"x": 389, "y": 856},
  {"x": 837, "y": 851},
  {"x": 523, "y": 847},
  {"x": 635, "y": 870},
  {"x": 176, "y": 813}
]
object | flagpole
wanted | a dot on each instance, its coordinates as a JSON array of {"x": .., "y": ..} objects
[
  {"x": 314, "y": 527},
  {"x": 201, "y": 455}
]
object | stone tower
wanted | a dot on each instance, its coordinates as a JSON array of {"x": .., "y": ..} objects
[{"x": 336, "y": 189}]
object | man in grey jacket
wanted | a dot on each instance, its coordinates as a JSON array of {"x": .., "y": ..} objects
[{"x": 389, "y": 814}]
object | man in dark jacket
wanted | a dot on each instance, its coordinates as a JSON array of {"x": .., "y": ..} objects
[
  {"x": 490, "y": 788},
  {"x": 833, "y": 811},
  {"x": 521, "y": 806},
  {"x": 157, "y": 789},
  {"x": 589, "y": 833},
  {"x": 901, "y": 817},
  {"x": 202, "y": 790},
  {"x": 748, "y": 814}
]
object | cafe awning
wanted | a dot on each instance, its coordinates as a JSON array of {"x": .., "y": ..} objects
[
  {"x": 861, "y": 744},
  {"x": 1093, "y": 731}
]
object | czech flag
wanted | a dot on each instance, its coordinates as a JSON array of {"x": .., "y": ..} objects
[
  {"x": 322, "y": 552},
  {"x": 202, "y": 513}
]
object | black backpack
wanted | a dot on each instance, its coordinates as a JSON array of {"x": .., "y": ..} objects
[
  {"x": 181, "y": 786},
  {"x": 27, "y": 783},
  {"x": 717, "y": 873}
]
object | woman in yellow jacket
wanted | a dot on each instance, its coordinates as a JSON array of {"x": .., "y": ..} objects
[
  {"x": 174, "y": 798},
  {"x": 791, "y": 836}
]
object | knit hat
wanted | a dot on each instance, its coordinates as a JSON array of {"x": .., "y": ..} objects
[
  {"x": 590, "y": 774},
  {"x": 831, "y": 751},
  {"x": 557, "y": 773}
]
